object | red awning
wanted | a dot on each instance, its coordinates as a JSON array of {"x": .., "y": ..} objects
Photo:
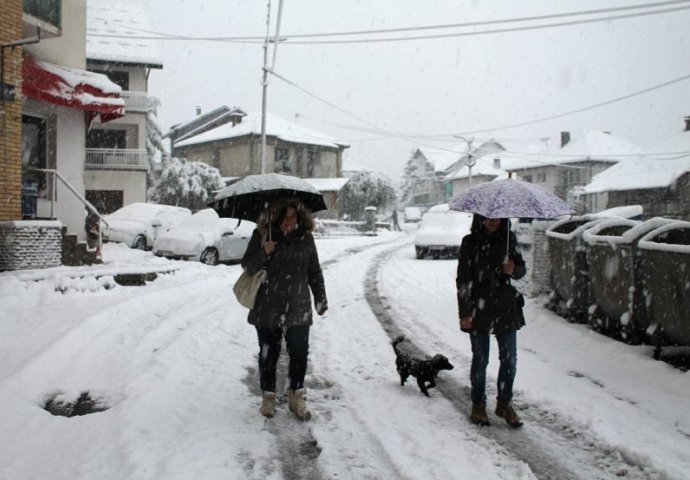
[{"x": 72, "y": 87}]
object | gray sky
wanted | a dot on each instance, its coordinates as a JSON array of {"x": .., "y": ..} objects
[{"x": 430, "y": 88}]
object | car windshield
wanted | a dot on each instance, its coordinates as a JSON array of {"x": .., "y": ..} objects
[
  {"x": 203, "y": 220},
  {"x": 138, "y": 211}
]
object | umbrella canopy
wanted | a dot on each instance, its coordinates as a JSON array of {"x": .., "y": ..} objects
[
  {"x": 510, "y": 198},
  {"x": 247, "y": 198}
]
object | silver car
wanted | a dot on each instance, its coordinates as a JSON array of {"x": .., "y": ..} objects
[
  {"x": 137, "y": 224},
  {"x": 205, "y": 238},
  {"x": 440, "y": 232}
]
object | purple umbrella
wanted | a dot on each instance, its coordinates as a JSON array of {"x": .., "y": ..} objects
[{"x": 510, "y": 198}]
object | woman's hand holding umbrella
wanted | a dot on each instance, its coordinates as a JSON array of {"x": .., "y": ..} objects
[{"x": 269, "y": 247}]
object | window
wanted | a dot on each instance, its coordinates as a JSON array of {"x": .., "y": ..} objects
[
  {"x": 119, "y": 78},
  {"x": 105, "y": 201},
  {"x": 572, "y": 177},
  {"x": 34, "y": 155},
  {"x": 527, "y": 178},
  {"x": 313, "y": 160},
  {"x": 282, "y": 161},
  {"x": 102, "y": 138},
  {"x": 541, "y": 178}
]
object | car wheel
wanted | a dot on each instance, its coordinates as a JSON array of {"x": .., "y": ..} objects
[
  {"x": 209, "y": 256},
  {"x": 139, "y": 242}
]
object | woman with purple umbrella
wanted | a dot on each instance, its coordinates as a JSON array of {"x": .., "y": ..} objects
[{"x": 487, "y": 304}]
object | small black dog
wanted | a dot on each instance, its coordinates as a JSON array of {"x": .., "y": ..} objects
[{"x": 424, "y": 371}]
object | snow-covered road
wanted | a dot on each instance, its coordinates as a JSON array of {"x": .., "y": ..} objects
[{"x": 175, "y": 364}]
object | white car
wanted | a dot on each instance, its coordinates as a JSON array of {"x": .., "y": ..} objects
[
  {"x": 137, "y": 224},
  {"x": 440, "y": 232},
  {"x": 206, "y": 238}
]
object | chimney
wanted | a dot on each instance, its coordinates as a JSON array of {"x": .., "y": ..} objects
[
  {"x": 687, "y": 124},
  {"x": 198, "y": 110},
  {"x": 565, "y": 138},
  {"x": 497, "y": 163}
]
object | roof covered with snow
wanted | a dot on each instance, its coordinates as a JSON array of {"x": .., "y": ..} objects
[
  {"x": 590, "y": 145},
  {"x": 285, "y": 130},
  {"x": 327, "y": 184},
  {"x": 660, "y": 167},
  {"x": 441, "y": 158},
  {"x": 483, "y": 166},
  {"x": 121, "y": 17}
]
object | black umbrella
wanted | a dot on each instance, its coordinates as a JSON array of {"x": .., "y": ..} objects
[{"x": 248, "y": 197}]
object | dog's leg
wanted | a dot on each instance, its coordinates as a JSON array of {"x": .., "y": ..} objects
[{"x": 422, "y": 387}]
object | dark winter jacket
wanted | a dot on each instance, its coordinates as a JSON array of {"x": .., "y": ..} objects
[
  {"x": 484, "y": 292},
  {"x": 293, "y": 268}
]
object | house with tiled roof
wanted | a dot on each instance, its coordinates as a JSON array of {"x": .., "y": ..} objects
[
  {"x": 291, "y": 149},
  {"x": 433, "y": 175},
  {"x": 117, "y": 160},
  {"x": 658, "y": 180},
  {"x": 571, "y": 165}
]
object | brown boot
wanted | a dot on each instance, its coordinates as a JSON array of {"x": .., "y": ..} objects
[
  {"x": 298, "y": 405},
  {"x": 506, "y": 411},
  {"x": 479, "y": 415},
  {"x": 268, "y": 404}
]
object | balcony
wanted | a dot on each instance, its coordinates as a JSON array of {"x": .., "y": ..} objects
[
  {"x": 137, "y": 102},
  {"x": 116, "y": 159},
  {"x": 43, "y": 15}
]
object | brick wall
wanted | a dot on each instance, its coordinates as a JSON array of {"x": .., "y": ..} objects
[
  {"x": 11, "y": 114},
  {"x": 30, "y": 244}
]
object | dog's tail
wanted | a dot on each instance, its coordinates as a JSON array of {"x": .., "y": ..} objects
[{"x": 397, "y": 340}]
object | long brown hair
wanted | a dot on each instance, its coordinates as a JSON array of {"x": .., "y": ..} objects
[{"x": 275, "y": 213}]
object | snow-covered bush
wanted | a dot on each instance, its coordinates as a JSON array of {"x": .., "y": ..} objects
[{"x": 185, "y": 184}]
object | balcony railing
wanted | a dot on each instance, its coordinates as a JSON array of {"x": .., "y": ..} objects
[
  {"x": 116, "y": 159},
  {"x": 137, "y": 101}
]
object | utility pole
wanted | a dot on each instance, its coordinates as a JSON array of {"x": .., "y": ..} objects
[
  {"x": 264, "y": 88},
  {"x": 264, "y": 79}
]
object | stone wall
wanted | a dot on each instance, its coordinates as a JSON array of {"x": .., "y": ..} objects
[
  {"x": 30, "y": 244},
  {"x": 541, "y": 263}
]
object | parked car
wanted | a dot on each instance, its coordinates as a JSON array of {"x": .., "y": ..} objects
[
  {"x": 206, "y": 238},
  {"x": 137, "y": 224},
  {"x": 412, "y": 214},
  {"x": 440, "y": 232}
]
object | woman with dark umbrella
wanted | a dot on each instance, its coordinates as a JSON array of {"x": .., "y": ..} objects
[
  {"x": 488, "y": 303},
  {"x": 283, "y": 244}
]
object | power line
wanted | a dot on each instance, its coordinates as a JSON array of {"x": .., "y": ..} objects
[
  {"x": 544, "y": 119},
  {"x": 414, "y": 138},
  {"x": 253, "y": 39},
  {"x": 580, "y": 110},
  {"x": 488, "y": 32}
]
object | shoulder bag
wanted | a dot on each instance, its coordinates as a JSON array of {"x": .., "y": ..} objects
[{"x": 246, "y": 286}]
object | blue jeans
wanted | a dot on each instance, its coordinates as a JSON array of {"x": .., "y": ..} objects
[{"x": 507, "y": 354}]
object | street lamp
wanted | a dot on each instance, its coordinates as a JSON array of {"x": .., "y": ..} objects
[
  {"x": 470, "y": 162},
  {"x": 470, "y": 159}
]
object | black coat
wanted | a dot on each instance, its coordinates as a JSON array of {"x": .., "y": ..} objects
[
  {"x": 484, "y": 292},
  {"x": 293, "y": 269}
]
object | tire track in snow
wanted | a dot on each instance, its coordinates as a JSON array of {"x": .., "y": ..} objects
[{"x": 553, "y": 447}]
